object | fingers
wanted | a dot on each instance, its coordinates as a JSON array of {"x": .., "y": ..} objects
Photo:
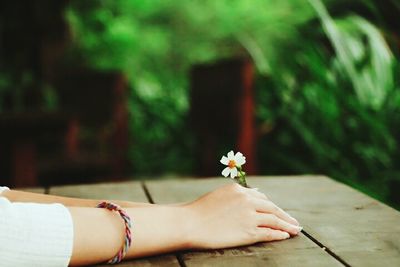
[
  {"x": 263, "y": 204},
  {"x": 267, "y": 234},
  {"x": 270, "y": 207},
  {"x": 254, "y": 192},
  {"x": 274, "y": 222}
]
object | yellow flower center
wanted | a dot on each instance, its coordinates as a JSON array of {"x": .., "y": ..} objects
[{"x": 232, "y": 164}]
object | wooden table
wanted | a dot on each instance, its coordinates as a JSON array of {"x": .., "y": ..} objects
[{"x": 342, "y": 227}]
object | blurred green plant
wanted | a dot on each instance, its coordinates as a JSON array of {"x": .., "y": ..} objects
[
  {"x": 156, "y": 42},
  {"x": 327, "y": 98},
  {"x": 335, "y": 109}
]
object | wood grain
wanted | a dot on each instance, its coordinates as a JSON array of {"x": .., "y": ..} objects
[
  {"x": 360, "y": 230},
  {"x": 131, "y": 191},
  {"x": 298, "y": 251}
]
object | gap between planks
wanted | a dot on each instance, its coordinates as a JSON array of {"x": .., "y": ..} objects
[
  {"x": 150, "y": 199},
  {"x": 325, "y": 248}
]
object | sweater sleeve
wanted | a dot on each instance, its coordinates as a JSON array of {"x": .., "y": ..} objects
[{"x": 34, "y": 234}]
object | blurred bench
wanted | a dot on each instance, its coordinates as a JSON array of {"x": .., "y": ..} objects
[
  {"x": 85, "y": 141},
  {"x": 20, "y": 134},
  {"x": 222, "y": 113}
]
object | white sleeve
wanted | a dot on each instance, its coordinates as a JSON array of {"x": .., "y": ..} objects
[
  {"x": 3, "y": 188},
  {"x": 35, "y": 234}
]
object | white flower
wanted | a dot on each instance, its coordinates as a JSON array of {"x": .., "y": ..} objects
[{"x": 233, "y": 162}]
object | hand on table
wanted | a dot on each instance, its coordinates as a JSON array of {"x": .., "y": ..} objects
[{"x": 233, "y": 215}]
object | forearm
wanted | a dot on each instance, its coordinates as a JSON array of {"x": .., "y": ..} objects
[
  {"x": 227, "y": 217},
  {"x": 99, "y": 233},
  {"x": 20, "y": 196}
]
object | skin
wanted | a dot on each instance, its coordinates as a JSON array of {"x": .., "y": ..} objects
[{"x": 227, "y": 217}]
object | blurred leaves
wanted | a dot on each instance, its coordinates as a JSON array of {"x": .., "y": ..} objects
[
  {"x": 362, "y": 55},
  {"x": 156, "y": 43},
  {"x": 327, "y": 97}
]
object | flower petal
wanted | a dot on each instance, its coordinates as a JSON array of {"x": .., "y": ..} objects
[
  {"x": 234, "y": 173},
  {"x": 238, "y": 155},
  {"x": 231, "y": 155},
  {"x": 240, "y": 159},
  {"x": 226, "y": 172},
  {"x": 224, "y": 160}
]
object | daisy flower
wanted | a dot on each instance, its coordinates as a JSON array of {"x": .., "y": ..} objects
[{"x": 234, "y": 164}]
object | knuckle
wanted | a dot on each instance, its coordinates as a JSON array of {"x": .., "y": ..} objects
[
  {"x": 236, "y": 186},
  {"x": 249, "y": 231},
  {"x": 268, "y": 234},
  {"x": 270, "y": 205},
  {"x": 253, "y": 233},
  {"x": 243, "y": 196},
  {"x": 232, "y": 189},
  {"x": 275, "y": 207},
  {"x": 246, "y": 198},
  {"x": 229, "y": 186}
]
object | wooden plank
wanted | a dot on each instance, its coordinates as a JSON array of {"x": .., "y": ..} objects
[
  {"x": 39, "y": 190},
  {"x": 297, "y": 251},
  {"x": 360, "y": 230},
  {"x": 163, "y": 260},
  {"x": 130, "y": 191}
]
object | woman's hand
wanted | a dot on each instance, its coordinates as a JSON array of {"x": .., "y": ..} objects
[{"x": 233, "y": 215}]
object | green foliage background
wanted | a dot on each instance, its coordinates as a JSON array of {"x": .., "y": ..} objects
[{"x": 327, "y": 97}]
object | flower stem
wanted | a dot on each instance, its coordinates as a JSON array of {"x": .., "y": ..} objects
[{"x": 242, "y": 177}]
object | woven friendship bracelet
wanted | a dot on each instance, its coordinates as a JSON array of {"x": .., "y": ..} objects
[{"x": 128, "y": 238}]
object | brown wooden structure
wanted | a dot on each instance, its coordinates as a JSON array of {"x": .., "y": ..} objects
[
  {"x": 86, "y": 140},
  {"x": 222, "y": 113},
  {"x": 20, "y": 138}
]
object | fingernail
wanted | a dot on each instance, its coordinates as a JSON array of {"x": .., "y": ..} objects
[
  {"x": 298, "y": 228},
  {"x": 286, "y": 235}
]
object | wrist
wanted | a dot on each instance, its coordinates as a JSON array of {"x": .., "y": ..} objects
[
  {"x": 130, "y": 204},
  {"x": 190, "y": 234},
  {"x": 183, "y": 225}
]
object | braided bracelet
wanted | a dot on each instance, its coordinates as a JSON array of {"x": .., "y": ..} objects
[{"x": 128, "y": 238}]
